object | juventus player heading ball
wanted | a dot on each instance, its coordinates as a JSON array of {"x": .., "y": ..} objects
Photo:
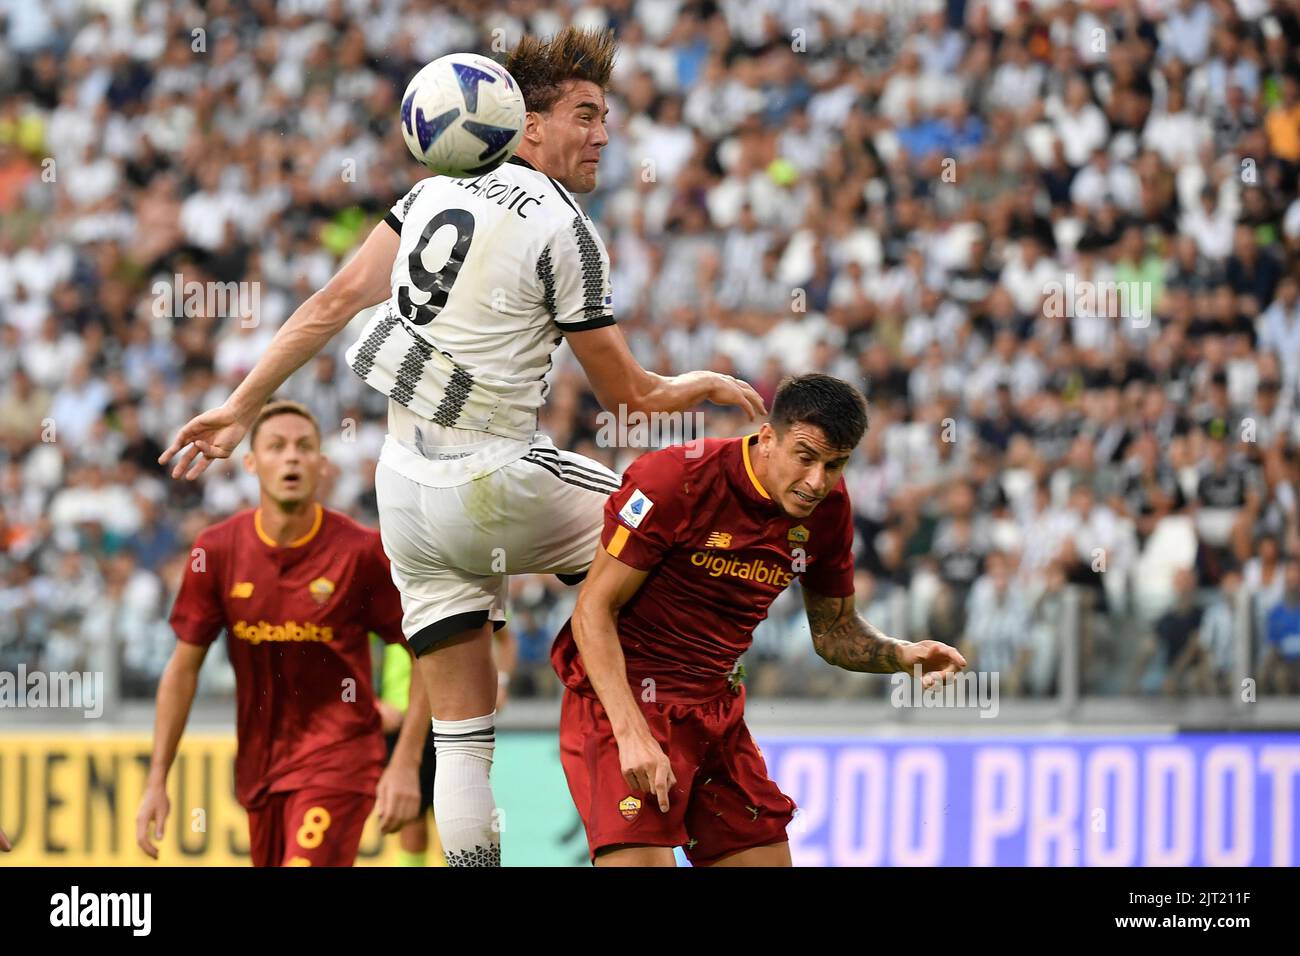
[{"x": 480, "y": 280}]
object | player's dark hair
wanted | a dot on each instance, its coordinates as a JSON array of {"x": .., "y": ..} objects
[
  {"x": 282, "y": 407},
  {"x": 541, "y": 67},
  {"x": 833, "y": 405}
]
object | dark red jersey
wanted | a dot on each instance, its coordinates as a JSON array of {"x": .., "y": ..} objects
[
  {"x": 719, "y": 551},
  {"x": 297, "y": 620}
]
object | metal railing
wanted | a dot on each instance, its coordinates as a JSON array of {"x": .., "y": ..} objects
[{"x": 1073, "y": 704}]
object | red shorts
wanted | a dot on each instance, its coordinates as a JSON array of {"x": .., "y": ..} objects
[
  {"x": 723, "y": 802},
  {"x": 309, "y": 827}
]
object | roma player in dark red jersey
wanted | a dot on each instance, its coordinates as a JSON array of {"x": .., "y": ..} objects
[
  {"x": 297, "y": 588},
  {"x": 695, "y": 548}
]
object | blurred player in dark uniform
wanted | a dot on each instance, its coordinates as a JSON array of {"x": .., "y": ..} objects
[
  {"x": 297, "y": 589},
  {"x": 697, "y": 543}
]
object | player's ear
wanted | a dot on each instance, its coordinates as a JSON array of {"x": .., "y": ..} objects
[
  {"x": 533, "y": 128},
  {"x": 250, "y": 464},
  {"x": 767, "y": 437}
]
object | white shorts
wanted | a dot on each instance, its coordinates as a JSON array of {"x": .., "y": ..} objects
[{"x": 453, "y": 531}]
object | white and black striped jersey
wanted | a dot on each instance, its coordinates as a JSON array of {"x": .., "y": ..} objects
[{"x": 489, "y": 275}]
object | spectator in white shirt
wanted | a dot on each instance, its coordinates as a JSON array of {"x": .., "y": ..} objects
[
  {"x": 1027, "y": 274},
  {"x": 1208, "y": 84},
  {"x": 997, "y": 625},
  {"x": 1169, "y": 548},
  {"x": 939, "y": 48},
  {"x": 1211, "y": 223},
  {"x": 1080, "y": 124},
  {"x": 1176, "y": 133},
  {"x": 1018, "y": 81},
  {"x": 1262, "y": 578},
  {"x": 1279, "y": 328},
  {"x": 78, "y": 404},
  {"x": 1186, "y": 32},
  {"x": 1103, "y": 179},
  {"x": 205, "y": 213},
  {"x": 48, "y": 358},
  {"x": 42, "y": 264}
]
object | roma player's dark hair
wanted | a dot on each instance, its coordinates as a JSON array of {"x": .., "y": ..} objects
[
  {"x": 283, "y": 407},
  {"x": 833, "y": 405},
  {"x": 541, "y": 67}
]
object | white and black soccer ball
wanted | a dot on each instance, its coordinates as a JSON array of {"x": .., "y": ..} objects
[{"x": 462, "y": 115}]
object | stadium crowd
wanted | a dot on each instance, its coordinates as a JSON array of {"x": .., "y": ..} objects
[{"x": 1056, "y": 243}]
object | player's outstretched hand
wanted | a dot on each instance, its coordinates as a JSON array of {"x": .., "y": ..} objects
[
  {"x": 397, "y": 798},
  {"x": 154, "y": 807},
  {"x": 5, "y": 845},
  {"x": 214, "y": 434},
  {"x": 938, "y": 661},
  {"x": 646, "y": 767},
  {"x": 726, "y": 390}
]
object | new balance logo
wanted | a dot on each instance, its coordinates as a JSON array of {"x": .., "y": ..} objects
[
  {"x": 242, "y": 589},
  {"x": 718, "y": 539}
]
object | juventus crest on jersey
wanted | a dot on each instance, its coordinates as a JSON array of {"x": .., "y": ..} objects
[{"x": 489, "y": 274}]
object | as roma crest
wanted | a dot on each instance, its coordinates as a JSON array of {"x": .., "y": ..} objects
[
  {"x": 629, "y": 807},
  {"x": 321, "y": 589}
]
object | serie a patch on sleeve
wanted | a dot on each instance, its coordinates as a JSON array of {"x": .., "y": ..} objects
[{"x": 635, "y": 509}]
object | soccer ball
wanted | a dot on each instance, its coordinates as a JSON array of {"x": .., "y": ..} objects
[{"x": 462, "y": 115}]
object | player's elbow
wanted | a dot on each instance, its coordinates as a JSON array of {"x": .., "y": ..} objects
[
  {"x": 644, "y": 400},
  {"x": 626, "y": 390},
  {"x": 186, "y": 661},
  {"x": 334, "y": 306},
  {"x": 582, "y": 622},
  {"x": 180, "y": 678},
  {"x": 616, "y": 378},
  {"x": 591, "y": 618},
  {"x": 825, "y": 650}
]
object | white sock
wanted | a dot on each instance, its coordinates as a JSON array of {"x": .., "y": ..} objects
[{"x": 462, "y": 791}]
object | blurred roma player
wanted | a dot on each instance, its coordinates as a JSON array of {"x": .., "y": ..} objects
[
  {"x": 297, "y": 588},
  {"x": 696, "y": 545}
]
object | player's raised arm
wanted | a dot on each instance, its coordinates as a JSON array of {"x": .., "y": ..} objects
[
  {"x": 577, "y": 293},
  {"x": 609, "y": 585},
  {"x": 364, "y": 281},
  {"x": 176, "y": 691},
  {"x": 618, "y": 379},
  {"x": 846, "y": 639}
]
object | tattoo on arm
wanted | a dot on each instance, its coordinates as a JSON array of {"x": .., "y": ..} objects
[{"x": 846, "y": 639}]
